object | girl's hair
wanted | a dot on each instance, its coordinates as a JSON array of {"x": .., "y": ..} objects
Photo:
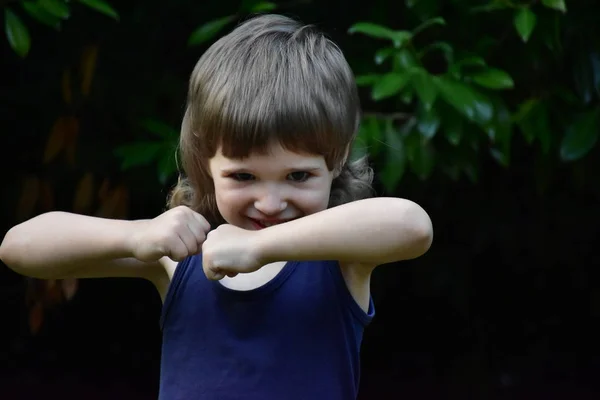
[{"x": 270, "y": 80}]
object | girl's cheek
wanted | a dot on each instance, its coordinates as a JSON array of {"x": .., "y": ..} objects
[
  {"x": 313, "y": 201},
  {"x": 233, "y": 195}
]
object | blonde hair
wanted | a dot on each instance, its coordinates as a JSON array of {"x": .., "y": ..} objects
[{"x": 271, "y": 79}]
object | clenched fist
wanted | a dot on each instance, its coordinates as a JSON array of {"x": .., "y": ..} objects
[
  {"x": 177, "y": 234},
  {"x": 229, "y": 250}
]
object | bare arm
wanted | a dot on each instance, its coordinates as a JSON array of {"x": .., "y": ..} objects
[
  {"x": 370, "y": 232},
  {"x": 60, "y": 245}
]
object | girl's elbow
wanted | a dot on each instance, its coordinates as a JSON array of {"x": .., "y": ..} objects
[
  {"x": 421, "y": 232},
  {"x": 423, "y": 238},
  {"x": 12, "y": 249},
  {"x": 9, "y": 251}
]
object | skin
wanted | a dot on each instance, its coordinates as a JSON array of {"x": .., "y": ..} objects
[
  {"x": 287, "y": 190},
  {"x": 289, "y": 193},
  {"x": 274, "y": 187}
]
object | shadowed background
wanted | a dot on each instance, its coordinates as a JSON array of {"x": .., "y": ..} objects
[{"x": 484, "y": 112}]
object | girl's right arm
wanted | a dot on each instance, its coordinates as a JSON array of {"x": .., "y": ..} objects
[{"x": 58, "y": 245}]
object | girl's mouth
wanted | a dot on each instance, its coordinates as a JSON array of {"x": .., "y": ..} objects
[{"x": 262, "y": 224}]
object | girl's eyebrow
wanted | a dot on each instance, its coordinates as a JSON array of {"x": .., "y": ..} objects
[{"x": 238, "y": 168}]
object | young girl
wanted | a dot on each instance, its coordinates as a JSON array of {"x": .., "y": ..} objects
[{"x": 264, "y": 258}]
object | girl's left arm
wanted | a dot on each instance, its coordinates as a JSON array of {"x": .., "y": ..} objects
[{"x": 368, "y": 232}]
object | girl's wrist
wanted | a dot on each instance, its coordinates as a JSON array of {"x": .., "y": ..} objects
[
  {"x": 265, "y": 247},
  {"x": 128, "y": 243}
]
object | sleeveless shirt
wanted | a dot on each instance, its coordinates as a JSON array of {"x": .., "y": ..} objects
[{"x": 297, "y": 337}]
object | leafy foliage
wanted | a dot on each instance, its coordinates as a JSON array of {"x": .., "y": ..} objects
[
  {"x": 458, "y": 101},
  {"x": 449, "y": 88},
  {"x": 449, "y": 103},
  {"x": 48, "y": 12},
  {"x": 449, "y": 99},
  {"x": 209, "y": 30},
  {"x": 160, "y": 151}
]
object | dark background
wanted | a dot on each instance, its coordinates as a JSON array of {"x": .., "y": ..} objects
[{"x": 505, "y": 305}]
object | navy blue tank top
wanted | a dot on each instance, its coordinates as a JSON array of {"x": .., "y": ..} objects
[{"x": 296, "y": 337}]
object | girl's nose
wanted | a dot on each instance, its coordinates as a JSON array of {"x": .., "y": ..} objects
[{"x": 270, "y": 203}]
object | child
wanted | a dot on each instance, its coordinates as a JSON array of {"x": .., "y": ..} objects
[{"x": 272, "y": 302}]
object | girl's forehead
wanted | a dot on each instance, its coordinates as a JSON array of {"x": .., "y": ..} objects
[
  {"x": 277, "y": 157},
  {"x": 273, "y": 152}
]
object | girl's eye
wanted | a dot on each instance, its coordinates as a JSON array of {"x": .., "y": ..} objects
[
  {"x": 242, "y": 176},
  {"x": 299, "y": 176}
]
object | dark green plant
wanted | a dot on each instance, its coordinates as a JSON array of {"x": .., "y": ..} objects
[
  {"x": 51, "y": 13},
  {"x": 446, "y": 113},
  {"x": 162, "y": 151}
]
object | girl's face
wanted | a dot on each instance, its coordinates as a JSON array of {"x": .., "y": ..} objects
[{"x": 263, "y": 190}]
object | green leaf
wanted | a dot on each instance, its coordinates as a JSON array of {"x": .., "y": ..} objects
[
  {"x": 455, "y": 69},
  {"x": 533, "y": 119},
  {"x": 444, "y": 47},
  {"x": 424, "y": 9},
  {"x": 256, "y": 6},
  {"x": 583, "y": 73},
  {"x": 16, "y": 33},
  {"x": 466, "y": 100},
  {"x": 407, "y": 95},
  {"x": 426, "y": 24},
  {"x": 389, "y": 85},
  {"x": 566, "y": 94},
  {"x": 425, "y": 87},
  {"x": 167, "y": 165},
  {"x": 360, "y": 147},
  {"x": 472, "y": 172},
  {"x": 524, "y": 22},
  {"x": 209, "y": 30},
  {"x": 399, "y": 38},
  {"x": 493, "y": 78},
  {"x": 372, "y": 30},
  {"x": 58, "y": 8},
  {"x": 367, "y": 80},
  {"x": 404, "y": 60},
  {"x": 138, "y": 154},
  {"x": 159, "y": 128},
  {"x": 555, "y": 4},
  {"x": 358, "y": 151},
  {"x": 370, "y": 134},
  {"x": 420, "y": 155},
  {"x": 383, "y": 54},
  {"x": 428, "y": 123},
  {"x": 453, "y": 126},
  {"x": 395, "y": 161},
  {"x": 102, "y": 7},
  {"x": 41, "y": 15},
  {"x": 581, "y": 136},
  {"x": 470, "y": 61},
  {"x": 499, "y": 156},
  {"x": 500, "y": 130},
  {"x": 494, "y": 5},
  {"x": 424, "y": 160},
  {"x": 263, "y": 6},
  {"x": 522, "y": 118}
]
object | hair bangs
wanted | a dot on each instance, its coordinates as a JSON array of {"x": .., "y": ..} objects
[
  {"x": 254, "y": 125},
  {"x": 270, "y": 81},
  {"x": 275, "y": 102}
]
